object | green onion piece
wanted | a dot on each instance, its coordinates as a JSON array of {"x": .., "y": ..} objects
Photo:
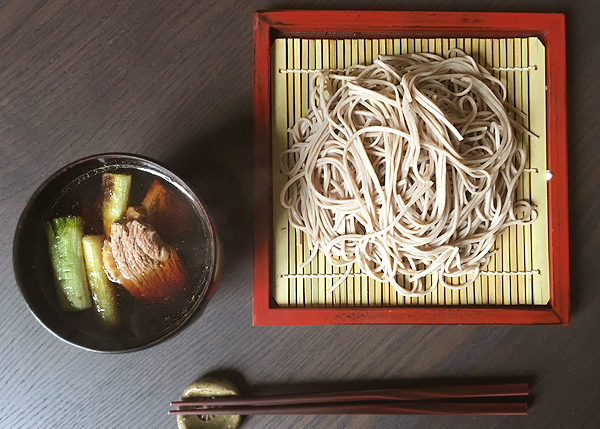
[
  {"x": 66, "y": 255},
  {"x": 102, "y": 290},
  {"x": 116, "y": 196}
]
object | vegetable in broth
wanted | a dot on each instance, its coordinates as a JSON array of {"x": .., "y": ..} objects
[
  {"x": 66, "y": 254},
  {"x": 102, "y": 290},
  {"x": 116, "y": 189}
]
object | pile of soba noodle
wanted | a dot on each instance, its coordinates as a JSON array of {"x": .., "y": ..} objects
[{"x": 407, "y": 166}]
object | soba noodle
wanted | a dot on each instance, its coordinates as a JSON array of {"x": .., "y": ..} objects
[{"x": 407, "y": 166}]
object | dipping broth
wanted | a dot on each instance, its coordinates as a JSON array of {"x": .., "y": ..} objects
[{"x": 186, "y": 230}]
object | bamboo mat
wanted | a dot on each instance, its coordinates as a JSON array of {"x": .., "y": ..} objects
[{"x": 518, "y": 273}]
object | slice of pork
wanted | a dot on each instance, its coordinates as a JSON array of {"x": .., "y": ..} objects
[{"x": 135, "y": 256}]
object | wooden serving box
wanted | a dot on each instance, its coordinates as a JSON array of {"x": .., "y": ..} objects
[{"x": 527, "y": 281}]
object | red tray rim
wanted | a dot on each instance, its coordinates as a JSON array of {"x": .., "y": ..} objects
[{"x": 549, "y": 27}]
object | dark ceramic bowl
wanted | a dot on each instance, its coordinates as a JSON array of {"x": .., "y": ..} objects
[{"x": 76, "y": 189}]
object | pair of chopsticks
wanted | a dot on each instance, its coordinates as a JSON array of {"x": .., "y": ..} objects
[{"x": 467, "y": 400}]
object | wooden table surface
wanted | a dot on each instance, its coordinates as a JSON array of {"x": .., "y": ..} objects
[{"x": 173, "y": 81}]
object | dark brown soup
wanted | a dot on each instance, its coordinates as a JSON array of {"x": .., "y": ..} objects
[{"x": 186, "y": 230}]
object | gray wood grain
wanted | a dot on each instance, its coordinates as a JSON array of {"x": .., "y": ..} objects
[{"x": 173, "y": 81}]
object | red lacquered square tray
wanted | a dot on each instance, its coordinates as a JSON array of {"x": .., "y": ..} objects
[{"x": 549, "y": 28}]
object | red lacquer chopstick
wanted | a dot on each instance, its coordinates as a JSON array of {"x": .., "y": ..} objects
[
  {"x": 426, "y": 407},
  {"x": 415, "y": 394}
]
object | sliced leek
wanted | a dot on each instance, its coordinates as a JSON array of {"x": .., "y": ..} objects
[
  {"x": 66, "y": 254},
  {"x": 116, "y": 189},
  {"x": 102, "y": 290}
]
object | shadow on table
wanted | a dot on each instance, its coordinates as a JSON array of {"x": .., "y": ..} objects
[{"x": 218, "y": 167}]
